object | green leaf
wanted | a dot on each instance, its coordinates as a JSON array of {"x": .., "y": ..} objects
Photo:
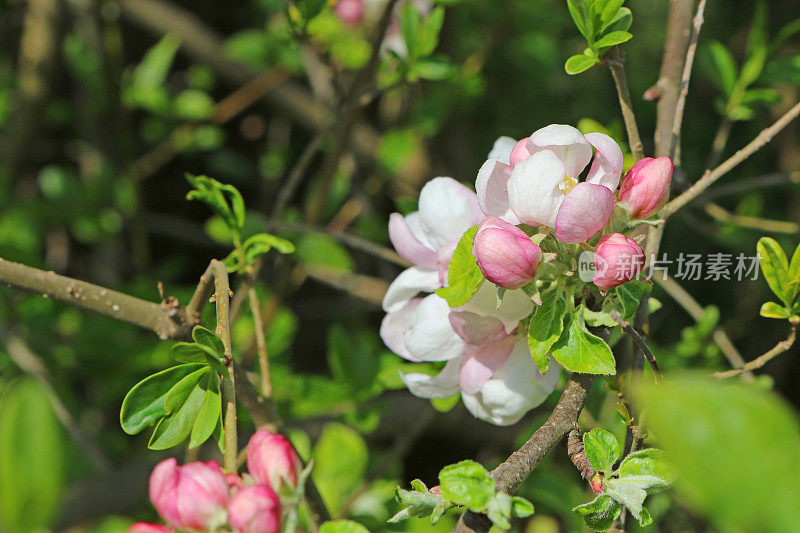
[
  {"x": 621, "y": 21},
  {"x": 183, "y": 411},
  {"x": 582, "y": 18},
  {"x": 152, "y": 71},
  {"x": 193, "y": 104},
  {"x": 32, "y": 458},
  {"x": 598, "y": 318},
  {"x": 783, "y": 34},
  {"x": 210, "y": 413},
  {"x": 546, "y": 326},
  {"x": 775, "y": 267},
  {"x": 351, "y": 361},
  {"x": 579, "y": 63},
  {"x": 340, "y": 459},
  {"x": 192, "y": 352},
  {"x": 724, "y": 66},
  {"x": 735, "y": 449},
  {"x": 143, "y": 406},
  {"x": 464, "y": 278},
  {"x": 429, "y": 32},
  {"x": 629, "y": 296},
  {"x": 631, "y": 491},
  {"x": 467, "y": 483},
  {"x": 609, "y": 11},
  {"x": 431, "y": 69},
  {"x": 225, "y": 200},
  {"x": 208, "y": 338},
  {"x": 600, "y": 513},
  {"x": 648, "y": 462},
  {"x": 793, "y": 286},
  {"x": 342, "y": 526},
  {"x": 602, "y": 449},
  {"x": 613, "y": 38},
  {"x": 520, "y": 507},
  {"x": 579, "y": 351},
  {"x": 773, "y": 310},
  {"x": 317, "y": 249},
  {"x": 499, "y": 510},
  {"x": 756, "y": 50},
  {"x": 410, "y": 21}
]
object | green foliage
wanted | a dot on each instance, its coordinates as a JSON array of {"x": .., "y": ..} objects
[
  {"x": 225, "y": 200},
  {"x": 735, "y": 448},
  {"x": 603, "y": 23},
  {"x": 146, "y": 85},
  {"x": 342, "y": 526},
  {"x": 580, "y": 351},
  {"x": 340, "y": 462},
  {"x": 464, "y": 278},
  {"x": 546, "y": 326},
  {"x": 32, "y": 458},
  {"x": 466, "y": 484},
  {"x": 641, "y": 473},
  {"x": 254, "y": 247},
  {"x": 782, "y": 277}
]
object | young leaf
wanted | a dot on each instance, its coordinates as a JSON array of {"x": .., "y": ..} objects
[
  {"x": 177, "y": 395},
  {"x": 609, "y": 11},
  {"x": 756, "y": 50},
  {"x": 410, "y": 21},
  {"x": 613, "y": 38},
  {"x": 209, "y": 414},
  {"x": 225, "y": 200},
  {"x": 342, "y": 526},
  {"x": 175, "y": 428},
  {"x": 629, "y": 296},
  {"x": 546, "y": 326},
  {"x": 579, "y": 351},
  {"x": 600, "y": 513},
  {"x": 520, "y": 507},
  {"x": 429, "y": 32},
  {"x": 208, "y": 338},
  {"x": 648, "y": 462},
  {"x": 499, "y": 510},
  {"x": 602, "y": 449},
  {"x": 775, "y": 267},
  {"x": 580, "y": 15},
  {"x": 467, "y": 483},
  {"x": 143, "y": 406},
  {"x": 621, "y": 21},
  {"x": 579, "y": 63},
  {"x": 631, "y": 491},
  {"x": 773, "y": 310},
  {"x": 152, "y": 71},
  {"x": 464, "y": 278}
]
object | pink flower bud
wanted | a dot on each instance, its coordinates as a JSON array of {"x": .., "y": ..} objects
[
  {"x": 144, "y": 527},
  {"x": 350, "y": 12},
  {"x": 645, "y": 188},
  {"x": 255, "y": 509},
  {"x": 435, "y": 490},
  {"x": 234, "y": 483},
  {"x": 192, "y": 496},
  {"x": 617, "y": 259},
  {"x": 505, "y": 255},
  {"x": 271, "y": 459},
  {"x": 520, "y": 151}
]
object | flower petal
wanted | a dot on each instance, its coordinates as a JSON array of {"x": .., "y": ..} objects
[
  {"x": 431, "y": 337},
  {"x": 477, "y": 330},
  {"x": 479, "y": 364},
  {"x": 567, "y": 143},
  {"x": 502, "y": 149},
  {"x": 407, "y": 245},
  {"x": 514, "y": 306},
  {"x": 533, "y": 189},
  {"x": 394, "y": 327},
  {"x": 514, "y": 389},
  {"x": 443, "y": 385},
  {"x": 585, "y": 211},
  {"x": 492, "y": 187},
  {"x": 607, "y": 164},
  {"x": 447, "y": 209},
  {"x": 405, "y": 286}
]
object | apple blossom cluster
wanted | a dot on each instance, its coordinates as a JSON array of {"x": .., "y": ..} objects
[
  {"x": 198, "y": 496},
  {"x": 540, "y": 201}
]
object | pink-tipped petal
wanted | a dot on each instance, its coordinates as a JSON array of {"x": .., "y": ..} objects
[
  {"x": 520, "y": 152},
  {"x": 492, "y": 188},
  {"x": 480, "y": 363},
  {"x": 477, "y": 330},
  {"x": 443, "y": 385},
  {"x": 607, "y": 164},
  {"x": 255, "y": 509},
  {"x": 617, "y": 259},
  {"x": 394, "y": 327},
  {"x": 164, "y": 491},
  {"x": 505, "y": 255},
  {"x": 407, "y": 245},
  {"x": 586, "y": 209},
  {"x": 645, "y": 188},
  {"x": 502, "y": 149},
  {"x": 567, "y": 143},
  {"x": 533, "y": 189}
]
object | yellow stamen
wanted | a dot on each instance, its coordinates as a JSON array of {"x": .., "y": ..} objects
[{"x": 567, "y": 184}]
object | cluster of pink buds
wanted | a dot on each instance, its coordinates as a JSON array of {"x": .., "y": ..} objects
[{"x": 198, "y": 496}]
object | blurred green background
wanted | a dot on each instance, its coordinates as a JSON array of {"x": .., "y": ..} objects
[{"x": 102, "y": 111}]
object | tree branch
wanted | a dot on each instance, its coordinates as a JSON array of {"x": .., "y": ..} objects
[
  {"x": 760, "y": 361},
  {"x": 640, "y": 342},
  {"x": 516, "y": 469},
  {"x": 711, "y": 176},
  {"x": 616, "y": 64}
]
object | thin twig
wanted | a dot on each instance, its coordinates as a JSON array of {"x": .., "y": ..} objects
[
  {"x": 762, "y": 360},
  {"x": 261, "y": 342},
  {"x": 297, "y": 173},
  {"x": 616, "y": 64},
  {"x": 648, "y": 355},
  {"x": 687, "y": 72},
  {"x": 711, "y": 176},
  {"x": 761, "y": 224}
]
